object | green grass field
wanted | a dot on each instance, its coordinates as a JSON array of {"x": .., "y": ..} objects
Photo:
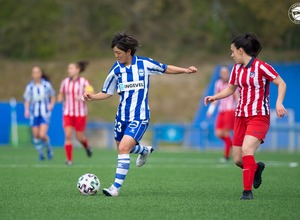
[{"x": 172, "y": 185}]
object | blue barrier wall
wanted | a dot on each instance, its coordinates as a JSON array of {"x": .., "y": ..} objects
[
  {"x": 55, "y": 129},
  {"x": 290, "y": 72}
]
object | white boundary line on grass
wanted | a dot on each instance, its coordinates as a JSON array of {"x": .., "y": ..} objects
[{"x": 153, "y": 164}]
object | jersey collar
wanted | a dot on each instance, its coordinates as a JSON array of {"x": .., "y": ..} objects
[{"x": 250, "y": 63}]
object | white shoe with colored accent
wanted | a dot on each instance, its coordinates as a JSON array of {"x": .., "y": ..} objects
[
  {"x": 142, "y": 159},
  {"x": 111, "y": 191}
]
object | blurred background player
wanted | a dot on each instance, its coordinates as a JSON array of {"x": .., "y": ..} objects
[
  {"x": 129, "y": 76},
  {"x": 252, "y": 116},
  {"x": 39, "y": 99},
  {"x": 225, "y": 117},
  {"x": 74, "y": 109}
]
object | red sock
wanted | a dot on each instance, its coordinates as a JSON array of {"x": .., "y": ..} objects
[
  {"x": 249, "y": 168},
  {"x": 69, "y": 151},
  {"x": 228, "y": 145},
  {"x": 85, "y": 144}
]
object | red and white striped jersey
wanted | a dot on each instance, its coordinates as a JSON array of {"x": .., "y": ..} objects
[
  {"x": 253, "y": 82},
  {"x": 73, "y": 91},
  {"x": 226, "y": 104}
]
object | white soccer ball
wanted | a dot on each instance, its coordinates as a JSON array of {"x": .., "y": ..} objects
[{"x": 88, "y": 184}]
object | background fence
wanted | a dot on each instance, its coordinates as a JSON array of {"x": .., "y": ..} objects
[{"x": 284, "y": 133}]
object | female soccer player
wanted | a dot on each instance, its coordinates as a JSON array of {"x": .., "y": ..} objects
[
  {"x": 129, "y": 76},
  {"x": 75, "y": 110},
  {"x": 39, "y": 99},
  {"x": 252, "y": 116},
  {"x": 225, "y": 117}
]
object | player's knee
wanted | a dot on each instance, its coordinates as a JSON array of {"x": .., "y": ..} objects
[
  {"x": 238, "y": 161},
  {"x": 122, "y": 149},
  {"x": 219, "y": 134}
]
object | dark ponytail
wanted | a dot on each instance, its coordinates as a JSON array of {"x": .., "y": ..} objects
[
  {"x": 249, "y": 43},
  {"x": 44, "y": 75},
  {"x": 82, "y": 65}
]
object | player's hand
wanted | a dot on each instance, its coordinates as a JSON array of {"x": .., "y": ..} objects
[
  {"x": 191, "y": 69},
  {"x": 50, "y": 107},
  {"x": 280, "y": 110},
  {"x": 87, "y": 96},
  {"x": 26, "y": 114},
  {"x": 208, "y": 99}
]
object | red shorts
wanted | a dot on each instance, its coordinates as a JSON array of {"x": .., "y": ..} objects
[
  {"x": 256, "y": 126},
  {"x": 78, "y": 122},
  {"x": 225, "y": 120}
]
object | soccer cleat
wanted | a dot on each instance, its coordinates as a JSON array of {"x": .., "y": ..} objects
[
  {"x": 69, "y": 162},
  {"x": 142, "y": 159},
  {"x": 247, "y": 195},
  {"x": 89, "y": 152},
  {"x": 257, "y": 177},
  {"x": 41, "y": 157},
  {"x": 111, "y": 191},
  {"x": 224, "y": 160},
  {"x": 50, "y": 153}
]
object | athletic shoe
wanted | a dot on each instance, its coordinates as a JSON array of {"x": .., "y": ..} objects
[
  {"x": 257, "y": 177},
  {"x": 50, "y": 153},
  {"x": 89, "y": 152},
  {"x": 69, "y": 162},
  {"x": 41, "y": 157},
  {"x": 142, "y": 159},
  {"x": 247, "y": 195},
  {"x": 111, "y": 191},
  {"x": 224, "y": 160}
]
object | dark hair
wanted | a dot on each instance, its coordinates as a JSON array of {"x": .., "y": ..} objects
[
  {"x": 44, "y": 75},
  {"x": 125, "y": 42},
  {"x": 82, "y": 65},
  {"x": 249, "y": 43}
]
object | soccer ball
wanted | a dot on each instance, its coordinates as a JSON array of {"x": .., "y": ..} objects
[{"x": 88, "y": 184}]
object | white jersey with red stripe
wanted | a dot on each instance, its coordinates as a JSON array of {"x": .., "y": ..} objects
[
  {"x": 73, "y": 91},
  {"x": 253, "y": 82},
  {"x": 226, "y": 104}
]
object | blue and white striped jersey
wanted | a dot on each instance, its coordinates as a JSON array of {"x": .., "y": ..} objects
[
  {"x": 39, "y": 97},
  {"x": 132, "y": 84}
]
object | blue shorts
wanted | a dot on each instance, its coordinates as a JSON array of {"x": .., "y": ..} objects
[
  {"x": 135, "y": 129},
  {"x": 37, "y": 121}
]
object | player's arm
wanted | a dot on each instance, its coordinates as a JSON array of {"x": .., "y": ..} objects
[
  {"x": 280, "y": 110},
  {"x": 228, "y": 91},
  {"x": 26, "y": 109},
  {"x": 52, "y": 102},
  {"x": 179, "y": 70},
  {"x": 60, "y": 97},
  {"x": 95, "y": 97}
]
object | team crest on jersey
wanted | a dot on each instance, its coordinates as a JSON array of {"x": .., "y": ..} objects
[
  {"x": 133, "y": 126},
  {"x": 252, "y": 74},
  {"x": 141, "y": 72}
]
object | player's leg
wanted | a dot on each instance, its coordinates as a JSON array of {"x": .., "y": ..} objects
[
  {"x": 37, "y": 142},
  {"x": 249, "y": 147},
  {"x": 68, "y": 124},
  {"x": 123, "y": 165},
  {"x": 223, "y": 132},
  {"x": 127, "y": 135},
  {"x": 237, "y": 156},
  {"x": 80, "y": 125},
  {"x": 45, "y": 138}
]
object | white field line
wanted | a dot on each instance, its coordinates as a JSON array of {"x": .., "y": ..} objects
[{"x": 155, "y": 163}]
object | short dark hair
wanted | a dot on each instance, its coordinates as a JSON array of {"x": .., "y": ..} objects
[
  {"x": 125, "y": 42},
  {"x": 249, "y": 43}
]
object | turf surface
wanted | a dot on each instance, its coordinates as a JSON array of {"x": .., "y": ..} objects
[{"x": 172, "y": 185}]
